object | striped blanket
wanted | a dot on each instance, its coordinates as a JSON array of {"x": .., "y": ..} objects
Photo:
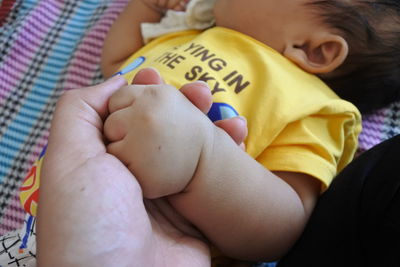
[{"x": 48, "y": 46}]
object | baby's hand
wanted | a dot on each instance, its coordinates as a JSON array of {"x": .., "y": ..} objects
[
  {"x": 164, "y": 5},
  {"x": 158, "y": 134}
]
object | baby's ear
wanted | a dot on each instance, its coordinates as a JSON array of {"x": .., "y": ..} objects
[{"x": 321, "y": 53}]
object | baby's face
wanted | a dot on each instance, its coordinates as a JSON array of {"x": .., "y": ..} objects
[{"x": 272, "y": 22}]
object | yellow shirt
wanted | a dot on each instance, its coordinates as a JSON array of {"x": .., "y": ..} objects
[{"x": 296, "y": 123}]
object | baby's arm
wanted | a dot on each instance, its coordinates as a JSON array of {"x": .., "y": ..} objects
[
  {"x": 124, "y": 37},
  {"x": 174, "y": 150},
  {"x": 244, "y": 209}
]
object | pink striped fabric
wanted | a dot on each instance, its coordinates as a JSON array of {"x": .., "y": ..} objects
[
  {"x": 27, "y": 39},
  {"x": 46, "y": 47}
]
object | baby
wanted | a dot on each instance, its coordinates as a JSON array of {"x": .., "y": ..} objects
[{"x": 260, "y": 61}]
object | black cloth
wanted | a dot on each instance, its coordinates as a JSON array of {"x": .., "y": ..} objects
[{"x": 356, "y": 222}]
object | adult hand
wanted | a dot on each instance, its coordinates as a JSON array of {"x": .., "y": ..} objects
[{"x": 91, "y": 210}]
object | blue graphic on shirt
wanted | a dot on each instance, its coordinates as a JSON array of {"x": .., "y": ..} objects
[
  {"x": 27, "y": 233},
  {"x": 132, "y": 66},
  {"x": 220, "y": 111}
]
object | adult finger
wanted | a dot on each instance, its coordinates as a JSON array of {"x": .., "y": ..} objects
[
  {"x": 80, "y": 109},
  {"x": 97, "y": 96},
  {"x": 123, "y": 98},
  {"x": 199, "y": 94},
  {"x": 76, "y": 130},
  {"x": 148, "y": 76},
  {"x": 236, "y": 127}
]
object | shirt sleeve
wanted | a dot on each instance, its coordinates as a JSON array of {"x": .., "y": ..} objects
[{"x": 319, "y": 145}]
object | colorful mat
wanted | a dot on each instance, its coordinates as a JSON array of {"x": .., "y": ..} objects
[
  {"x": 45, "y": 47},
  {"x": 48, "y": 46}
]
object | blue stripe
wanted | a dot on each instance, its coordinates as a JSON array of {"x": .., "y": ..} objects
[{"x": 45, "y": 82}]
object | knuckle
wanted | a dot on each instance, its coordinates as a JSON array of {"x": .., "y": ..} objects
[
  {"x": 160, "y": 95},
  {"x": 150, "y": 120}
]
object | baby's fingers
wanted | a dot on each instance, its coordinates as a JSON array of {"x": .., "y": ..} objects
[
  {"x": 126, "y": 96},
  {"x": 116, "y": 125},
  {"x": 120, "y": 151},
  {"x": 121, "y": 99}
]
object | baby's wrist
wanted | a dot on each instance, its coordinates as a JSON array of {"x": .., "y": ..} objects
[{"x": 205, "y": 158}]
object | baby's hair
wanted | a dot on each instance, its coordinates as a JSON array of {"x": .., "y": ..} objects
[{"x": 370, "y": 75}]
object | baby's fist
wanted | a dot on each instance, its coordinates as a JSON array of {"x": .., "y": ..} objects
[{"x": 158, "y": 134}]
